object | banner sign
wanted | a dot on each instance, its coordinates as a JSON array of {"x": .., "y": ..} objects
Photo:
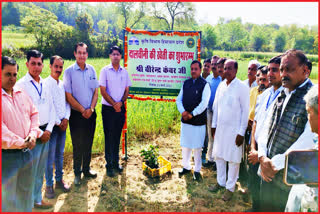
[{"x": 159, "y": 62}]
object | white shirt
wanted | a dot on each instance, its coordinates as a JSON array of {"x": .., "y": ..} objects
[
  {"x": 264, "y": 104},
  {"x": 62, "y": 107},
  {"x": 230, "y": 118},
  {"x": 43, "y": 103},
  {"x": 305, "y": 141},
  {"x": 246, "y": 82},
  {"x": 193, "y": 136}
]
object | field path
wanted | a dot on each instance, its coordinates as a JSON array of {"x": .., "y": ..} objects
[{"x": 133, "y": 191}]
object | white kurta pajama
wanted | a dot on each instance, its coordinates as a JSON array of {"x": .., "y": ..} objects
[
  {"x": 230, "y": 118},
  {"x": 192, "y": 137}
]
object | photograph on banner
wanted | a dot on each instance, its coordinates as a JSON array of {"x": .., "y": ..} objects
[{"x": 158, "y": 64}]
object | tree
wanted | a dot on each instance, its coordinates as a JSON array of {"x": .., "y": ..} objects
[
  {"x": 208, "y": 39},
  {"x": 279, "y": 42},
  {"x": 38, "y": 21},
  {"x": 175, "y": 9},
  {"x": 257, "y": 38},
  {"x": 84, "y": 24},
  {"x": 10, "y": 14},
  {"x": 126, "y": 9}
]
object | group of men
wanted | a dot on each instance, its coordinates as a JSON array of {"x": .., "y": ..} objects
[
  {"x": 222, "y": 118},
  {"x": 263, "y": 117},
  {"x": 36, "y": 113}
]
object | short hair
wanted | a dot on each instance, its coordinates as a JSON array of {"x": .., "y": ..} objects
[
  {"x": 115, "y": 48},
  {"x": 309, "y": 64},
  {"x": 254, "y": 62},
  {"x": 298, "y": 54},
  {"x": 275, "y": 60},
  {"x": 222, "y": 60},
  {"x": 196, "y": 62},
  {"x": 263, "y": 69},
  {"x": 5, "y": 60},
  {"x": 54, "y": 58},
  {"x": 35, "y": 54},
  {"x": 81, "y": 44},
  {"x": 311, "y": 98},
  {"x": 235, "y": 64},
  {"x": 215, "y": 57},
  {"x": 208, "y": 60}
]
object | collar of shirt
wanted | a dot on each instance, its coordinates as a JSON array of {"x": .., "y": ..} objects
[
  {"x": 28, "y": 77},
  {"x": 77, "y": 67},
  {"x": 15, "y": 91},
  {"x": 112, "y": 68},
  {"x": 286, "y": 90},
  {"x": 50, "y": 78}
]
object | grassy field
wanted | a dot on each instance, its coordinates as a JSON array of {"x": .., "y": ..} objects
[{"x": 17, "y": 40}]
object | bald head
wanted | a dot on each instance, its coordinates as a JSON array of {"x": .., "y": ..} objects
[{"x": 230, "y": 70}]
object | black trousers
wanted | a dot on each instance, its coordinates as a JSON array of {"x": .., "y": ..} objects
[
  {"x": 112, "y": 126},
  {"x": 254, "y": 186},
  {"x": 82, "y": 134},
  {"x": 273, "y": 198}
]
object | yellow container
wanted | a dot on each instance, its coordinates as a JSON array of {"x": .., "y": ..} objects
[{"x": 164, "y": 167}]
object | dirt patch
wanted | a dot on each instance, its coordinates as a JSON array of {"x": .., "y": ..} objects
[{"x": 133, "y": 191}]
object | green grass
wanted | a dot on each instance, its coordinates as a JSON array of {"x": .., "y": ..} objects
[{"x": 17, "y": 40}]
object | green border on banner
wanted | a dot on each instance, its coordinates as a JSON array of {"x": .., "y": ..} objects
[
  {"x": 141, "y": 88},
  {"x": 154, "y": 91}
]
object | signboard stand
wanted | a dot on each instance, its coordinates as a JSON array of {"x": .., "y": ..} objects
[{"x": 157, "y": 62}]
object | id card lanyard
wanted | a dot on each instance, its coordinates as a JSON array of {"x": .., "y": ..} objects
[{"x": 39, "y": 92}]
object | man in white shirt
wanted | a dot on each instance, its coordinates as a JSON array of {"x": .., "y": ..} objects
[
  {"x": 229, "y": 123},
  {"x": 58, "y": 135},
  {"x": 252, "y": 71},
  {"x": 40, "y": 94},
  {"x": 192, "y": 103},
  {"x": 263, "y": 106},
  {"x": 286, "y": 126}
]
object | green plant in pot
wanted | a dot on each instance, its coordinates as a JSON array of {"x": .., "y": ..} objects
[{"x": 150, "y": 156}]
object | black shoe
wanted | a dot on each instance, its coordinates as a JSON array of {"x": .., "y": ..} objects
[
  {"x": 208, "y": 164},
  {"x": 184, "y": 171},
  {"x": 118, "y": 169},
  {"x": 90, "y": 174},
  {"x": 110, "y": 172},
  {"x": 214, "y": 166},
  {"x": 77, "y": 180},
  {"x": 197, "y": 176}
]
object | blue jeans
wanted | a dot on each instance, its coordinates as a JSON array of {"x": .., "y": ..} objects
[
  {"x": 16, "y": 181},
  {"x": 40, "y": 157},
  {"x": 55, "y": 154}
]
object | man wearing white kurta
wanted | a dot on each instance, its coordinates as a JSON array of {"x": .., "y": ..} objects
[
  {"x": 192, "y": 102},
  {"x": 229, "y": 123}
]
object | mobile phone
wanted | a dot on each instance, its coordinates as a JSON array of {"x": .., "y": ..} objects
[{"x": 301, "y": 167}]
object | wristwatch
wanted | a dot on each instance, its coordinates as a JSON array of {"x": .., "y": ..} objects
[{"x": 92, "y": 109}]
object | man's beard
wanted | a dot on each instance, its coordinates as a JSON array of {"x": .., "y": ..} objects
[{"x": 262, "y": 87}]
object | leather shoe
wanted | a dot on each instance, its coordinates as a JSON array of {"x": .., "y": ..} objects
[
  {"x": 43, "y": 205},
  {"x": 227, "y": 195},
  {"x": 118, "y": 169},
  {"x": 77, "y": 180},
  {"x": 184, "y": 171},
  {"x": 110, "y": 172},
  {"x": 90, "y": 174},
  {"x": 215, "y": 188},
  {"x": 49, "y": 193},
  {"x": 61, "y": 185},
  {"x": 208, "y": 164},
  {"x": 197, "y": 176}
]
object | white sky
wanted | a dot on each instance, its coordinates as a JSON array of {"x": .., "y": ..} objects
[{"x": 281, "y": 13}]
